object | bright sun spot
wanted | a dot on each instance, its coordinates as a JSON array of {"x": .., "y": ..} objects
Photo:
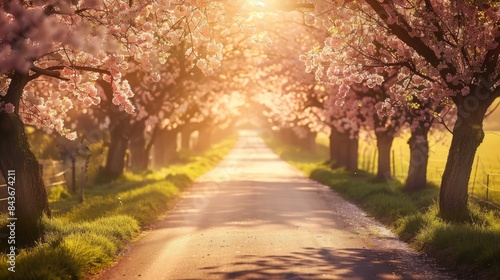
[{"x": 257, "y": 3}]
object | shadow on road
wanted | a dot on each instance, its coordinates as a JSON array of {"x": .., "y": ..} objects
[
  {"x": 311, "y": 263},
  {"x": 272, "y": 203}
]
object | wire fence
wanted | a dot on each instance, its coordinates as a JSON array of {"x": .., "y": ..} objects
[
  {"x": 54, "y": 173},
  {"x": 484, "y": 183},
  {"x": 491, "y": 192}
]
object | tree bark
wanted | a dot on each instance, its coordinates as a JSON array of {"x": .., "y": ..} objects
[
  {"x": 15, "y": 154},
  {"x": 343, "y": 150},
  {"x": 468, "y": 134},
  {"x": 119, "y": 140},
  {"x": 186, "y": 139},
  {"x": 309, "y": 142},
  {"x": 352, "y": 157},
  {"x": 138, "y": 146},
  {"x": 384, "y": 144},
  {"x": 419, "y": 158},
  {"x": 335, "y": 147},
  {"x": 165, "y": 147},
  {"x": 204, "y": 138},
  {"x": 139, "y": 156},
  {"x": 289, "y": 137},
  {"x": 115, "y": 160}
]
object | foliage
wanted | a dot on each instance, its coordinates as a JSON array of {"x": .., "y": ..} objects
[{"x": 435, "y": 57}]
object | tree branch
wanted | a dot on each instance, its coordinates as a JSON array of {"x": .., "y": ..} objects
[{"x": 45, "y": 71}]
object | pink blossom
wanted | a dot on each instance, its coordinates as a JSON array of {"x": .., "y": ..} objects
[
  {"x": 465, "y": 91},
  {"x": 71, "y": 135},
  {"x": 9, "y": 108}
]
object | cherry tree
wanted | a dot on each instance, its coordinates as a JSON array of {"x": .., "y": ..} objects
[
  {"x": 453, "y": 45},
  {"x": 46, "y": 40},
  {"x": 289, "y": 97},
  {"x": 75, "y": 46}
]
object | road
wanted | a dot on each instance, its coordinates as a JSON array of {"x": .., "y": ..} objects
[{"x": 256, "y": 217}]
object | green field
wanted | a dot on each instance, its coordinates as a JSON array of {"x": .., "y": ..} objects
[{"x": 488, "y": 163}]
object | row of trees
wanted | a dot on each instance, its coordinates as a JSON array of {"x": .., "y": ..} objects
[
  {"x": 444, "y": 53},
  {"x": 387, "y": 65},
  {"x": 135, "y": 69},
  {"x": 139, "y": 71}
]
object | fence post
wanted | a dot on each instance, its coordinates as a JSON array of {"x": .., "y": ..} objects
[{"x": 487, "y": 185}]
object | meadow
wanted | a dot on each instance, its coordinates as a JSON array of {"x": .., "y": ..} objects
[{"x": 486, "y": 163}]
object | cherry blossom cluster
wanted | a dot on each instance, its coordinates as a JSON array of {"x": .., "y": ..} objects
[
  {"x": 79, "y": 43},
  {"x": 440, "y": 47}
]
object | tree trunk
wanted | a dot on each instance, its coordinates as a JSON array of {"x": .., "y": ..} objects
[
  {"x": 343, "y": 150},
  {"x": 205, "y": 138},
  {"x": 467, "y": 136},
  {"x": 138, "y": 152},
  {"x": 139, "y": 149},
  {"x": 15, "y": 154},
  {"x": 287, "y": 136},
  {"x": 419, "y": 157},
  {"x": 115, "y": 160},
  {"x": 352, "y": 157},
  {"x": 309, "y": 142},
  {"x": 384, "y": 144},
  {"x": 221, "y": 134},
  {"x": 186, "y": 139},
  {"x": 119, "y": 140},
  {"x": 336, "y": 143},
  {"x": 165, "y": 148}
]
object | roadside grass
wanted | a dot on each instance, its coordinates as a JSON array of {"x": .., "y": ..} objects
[
  {"x": 413, "y": 216},
  {"x": 83, "y": 238}
]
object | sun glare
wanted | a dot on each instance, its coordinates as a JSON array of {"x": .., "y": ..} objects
[{"x": 257, "y": 3}]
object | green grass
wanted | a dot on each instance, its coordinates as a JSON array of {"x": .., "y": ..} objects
[
  {"x": 487, "y": 153},
  {"x": 82, "y": 238},
  {"x": 413, "y": 216}
]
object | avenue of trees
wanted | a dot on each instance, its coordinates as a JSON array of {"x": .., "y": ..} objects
[
  {"x": 140, "y": 72},
  {"x": 445, "y": 53}
]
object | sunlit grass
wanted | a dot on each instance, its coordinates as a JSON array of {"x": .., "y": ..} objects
[
  {"x": 487, "y": 153},
  {"x": 413, "y": 216},
  {"x": 83, "y": 238},
  {"x": 304, "y": 161}
]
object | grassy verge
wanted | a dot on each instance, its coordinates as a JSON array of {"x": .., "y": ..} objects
[
  {"x": 413, "y": 216},
  {"x": 83, "y": 238}
]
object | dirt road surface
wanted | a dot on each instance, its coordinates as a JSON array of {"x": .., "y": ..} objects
[{"x": 256, "y": 217}]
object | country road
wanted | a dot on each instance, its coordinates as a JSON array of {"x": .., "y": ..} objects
[{"x": 256, "y": 217}]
